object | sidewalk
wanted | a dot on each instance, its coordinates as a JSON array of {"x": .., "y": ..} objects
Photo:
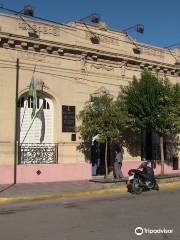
[
  {"x": 57, "y": 190},
  {"x": 54, "y": 188}
]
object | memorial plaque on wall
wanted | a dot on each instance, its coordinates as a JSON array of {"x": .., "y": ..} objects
[{"x": 68, "y": 118}]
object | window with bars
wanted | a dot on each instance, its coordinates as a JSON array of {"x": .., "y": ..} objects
[{"x": 29, "y": 101}]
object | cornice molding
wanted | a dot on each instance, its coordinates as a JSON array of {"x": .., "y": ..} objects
[{"x": 58, "y": 49}]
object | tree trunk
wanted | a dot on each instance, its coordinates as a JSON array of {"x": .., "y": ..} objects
[
  {"x": 162, "y": 155},
  {"x": 106, "y": 164}
]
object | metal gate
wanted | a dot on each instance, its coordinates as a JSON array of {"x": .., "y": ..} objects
[{"x": 38, "y": 153}]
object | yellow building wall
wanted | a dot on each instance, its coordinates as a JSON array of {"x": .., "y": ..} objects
[{"x": 69, "y": 78}]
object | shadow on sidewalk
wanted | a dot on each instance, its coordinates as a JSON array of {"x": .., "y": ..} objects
[
  {"x": 108, "y": 180},
  {"x": 4, "y": 189}
]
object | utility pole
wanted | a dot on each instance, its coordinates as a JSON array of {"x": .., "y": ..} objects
[{"x": 16, "y": 123}]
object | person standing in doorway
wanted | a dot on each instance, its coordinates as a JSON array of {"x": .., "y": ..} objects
[
  {"x": 94, "y": 157},
  {"x": 118, "y": 162}
]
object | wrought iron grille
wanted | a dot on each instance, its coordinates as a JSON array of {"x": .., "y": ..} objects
[{"x": 38, "y": 153}]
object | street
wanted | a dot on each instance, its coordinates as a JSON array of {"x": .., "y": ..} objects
[{"x": 109, "y": 217}]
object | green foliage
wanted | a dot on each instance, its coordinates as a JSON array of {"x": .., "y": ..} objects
[
  {"x": 168, "y": 121},
  {"x": 100, "y": 116},
  {"x": 146, "y": 103},
  {"x": 151, "y": 104}
]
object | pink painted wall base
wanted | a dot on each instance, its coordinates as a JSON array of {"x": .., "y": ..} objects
[
  {"x": 168, "y": 169},
  {"x": 45, "y": 173},
  {"x": 63, "y": 172}
]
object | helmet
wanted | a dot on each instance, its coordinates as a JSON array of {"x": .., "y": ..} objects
[{"x": 144, "y": 163}]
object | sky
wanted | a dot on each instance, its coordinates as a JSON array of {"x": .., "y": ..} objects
[{"x": 161, "y": 18}]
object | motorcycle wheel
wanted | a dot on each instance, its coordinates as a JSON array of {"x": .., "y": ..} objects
[
  {"x": 136, "y": 187},
  {"x": 156, "y": 187},
  {"x": 151, "y": 186},
  {"x": 129, "y": 188}
]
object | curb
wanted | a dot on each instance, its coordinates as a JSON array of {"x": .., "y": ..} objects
[
  {"x": 92, "y": 193},
  {"x": 62, "y": 195},
  {"x": 169, "y": 185}
]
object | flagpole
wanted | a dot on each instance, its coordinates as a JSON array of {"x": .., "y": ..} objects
[
  {"x": 26, "y": 104},
  {"x": 31, "y": 124},
  {"x": 16, "y": 122},
  {"x": 33, "y": 94},
  {"x": 24, "y": 114},
  {"x": 34, "y": 69},
  {"x": 28, "y": 129}
]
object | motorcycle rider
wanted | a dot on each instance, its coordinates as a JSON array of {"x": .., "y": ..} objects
[
  {"x": 142, "y": 180},
  {"x": 147, "y": 171}
]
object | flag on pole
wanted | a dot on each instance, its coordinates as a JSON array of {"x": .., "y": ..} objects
[
  {"x": 32, "y": 93},
  {"x": 41, "y": 117}
]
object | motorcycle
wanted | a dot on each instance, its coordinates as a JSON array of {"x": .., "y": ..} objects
[{"x": 138, "y": 182}]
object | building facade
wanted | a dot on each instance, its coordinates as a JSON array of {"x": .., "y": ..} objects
[{"x": 69, "y": 62}]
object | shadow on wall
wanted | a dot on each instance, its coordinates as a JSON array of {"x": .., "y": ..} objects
[
  {"x": 133, "y": 143},
  {"x": 85, "y": 148},
  {"x": 171, "y": 150},
  {"x": 129, "y": 140}
]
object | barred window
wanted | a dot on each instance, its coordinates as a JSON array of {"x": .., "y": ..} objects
[{"x": 29, "y": 102}]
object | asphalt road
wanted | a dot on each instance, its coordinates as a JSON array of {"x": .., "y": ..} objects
[{"x": 112, "y": 217}]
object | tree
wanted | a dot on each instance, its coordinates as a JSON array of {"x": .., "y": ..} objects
[
  {"x": 152, "y": 104},
  {"x": 100, "y": 116}
]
